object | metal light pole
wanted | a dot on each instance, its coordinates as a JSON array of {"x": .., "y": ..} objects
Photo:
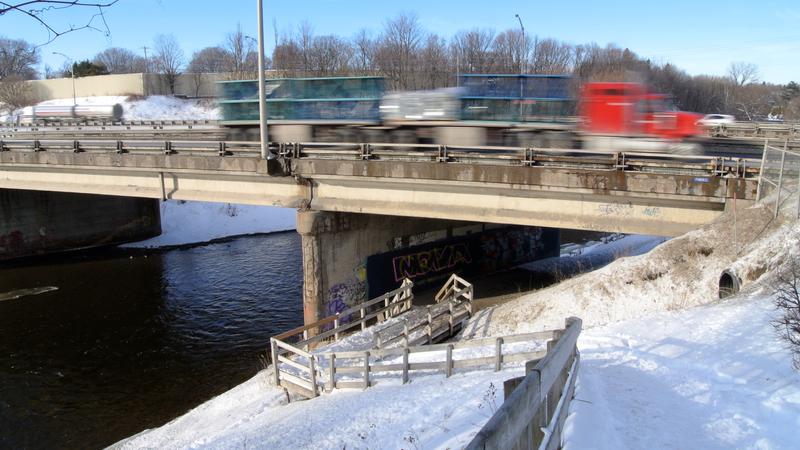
[
  {"x": 522, "y": 62},
  {"x": 524, "y": 46},
  {"x": 262, "y": 102},
  {"x": 72, "y": 73}
]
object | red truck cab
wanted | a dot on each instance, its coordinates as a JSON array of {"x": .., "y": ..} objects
[{"x": 628, "y": 109}]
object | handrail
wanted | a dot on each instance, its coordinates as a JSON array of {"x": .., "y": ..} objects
[
  {"x": 529, "y": 409},
  {"x": 432, "y": 153}
]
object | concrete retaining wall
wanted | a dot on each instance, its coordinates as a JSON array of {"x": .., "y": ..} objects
[
  {"x": 142, "y": 84},
  {"x": 38, "y": 222}
]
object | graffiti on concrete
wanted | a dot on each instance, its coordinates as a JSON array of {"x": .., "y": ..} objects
[
  {"x": 616, "y": 209},
  {"x": 431, "y": 261},
  {"x": 347, "y": 293},
  {"x": 482, "y": 252}
]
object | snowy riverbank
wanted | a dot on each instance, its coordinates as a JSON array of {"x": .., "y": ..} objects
[
  {"x": 194, "y": 222},
  {"x": 660, "y": 369}
]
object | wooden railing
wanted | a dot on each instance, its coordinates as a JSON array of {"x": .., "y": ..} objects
[
  {"x": 354, "y": 369},
  {"x": 295, "y": 367},
  {"x": 456, "y": 288},
  {"x": 429, "y": 325},
  {"x": 533, "y": 415}
]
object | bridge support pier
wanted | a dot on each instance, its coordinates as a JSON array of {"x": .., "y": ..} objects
[{"x": 349, "y": 258}]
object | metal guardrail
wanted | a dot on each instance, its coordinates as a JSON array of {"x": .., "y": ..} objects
[
  {"x": 779, "y": 172},
  {"x": 533, "y": 415},
  {"x": 429, "y": 153},
  {"x": 754, "y": 130}
]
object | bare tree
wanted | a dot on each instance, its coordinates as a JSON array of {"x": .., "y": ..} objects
[
  {"x": 364, "y": 52},
  {"x": 209, "y": 60},
  {"x": 242, "y": 59},
  {"x": 43, "y": 12},
  {"x": 508, "y": 51},
  {"x": 787, "y": 300},
  {"x": 330, "y": 55},
  {"x": 17, "y": 59},
  {"x": 15, "y": 93},
  {"x": 396, "y": 53},
  {"x": 743, "y": 73},
  {"x": 435, "y": 72},
  {"x": 168, "y": 59},
  {"x": 120, "y": 60},
  {"x": 474, "y": 50},
  {"x": 552, "y": 57}
]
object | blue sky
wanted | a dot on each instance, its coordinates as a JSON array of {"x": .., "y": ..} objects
[{"x": 698, "y": 36}]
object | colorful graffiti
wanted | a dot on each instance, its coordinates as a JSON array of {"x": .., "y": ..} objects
[
  {"x": 432, "y": 261},
  {"x": 477, "y": 253},
  {"x": 348, "y": 293}
]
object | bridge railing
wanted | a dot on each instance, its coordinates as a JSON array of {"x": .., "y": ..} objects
[
  {"x": 533, "y": 414},
  {"x": 430, "y": 153},
  {"x": 779, "y": 176}
]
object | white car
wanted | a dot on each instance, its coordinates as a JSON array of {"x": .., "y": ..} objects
[{"x": 716, "y": 119}]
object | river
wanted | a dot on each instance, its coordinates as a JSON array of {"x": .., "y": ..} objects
[{"x": 131, "y": 339}]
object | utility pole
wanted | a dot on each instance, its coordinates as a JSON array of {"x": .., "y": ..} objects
[
  {"x": 146, "y": 61},
  {"x": 262, "y": 97},
  {"x": 72, "y": 73},
  {"x": 524, "y": 55},
  {"x": 523, "y": 60}
]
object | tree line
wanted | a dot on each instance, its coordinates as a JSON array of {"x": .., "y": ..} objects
[{"x": 412, "y": 58}]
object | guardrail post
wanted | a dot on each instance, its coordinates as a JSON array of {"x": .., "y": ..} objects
[
  {"x": 120, "y": 148},
  {"x": 366, "y": 370},
  {"x": 313, "y": 375},
  {"x": 449, "y": 365},
  {"x": 36, "y": 146},
  {"x": 498, "y": 353},
  {"x": 363, "y": 322},
  {"x": 274, "y": 352},
  {"x": 76, "y": 146},
  {"x": 336, "y": 328},
  {"x": 331, "y": 372},
  {"x": 405, "y": 364},
  {"x": 780, "y": 182},
  {"x": 2, "y": 146},
  {"x": 223, "y": 149},
  {"x": 761, "y": 171},
  {"x": 428, "y": 328},
  {"x": 405, "y": 331}
]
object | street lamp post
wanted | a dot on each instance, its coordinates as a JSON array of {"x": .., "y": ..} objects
[
  {"x": 262, "y": 102},
  {"x": 72, "y": 73},
  {"x": 524, "y": 56},
  {"x": 523, "y": 59}
]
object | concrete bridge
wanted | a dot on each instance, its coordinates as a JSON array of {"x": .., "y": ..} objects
[
  {"x": 349, "y": 196},
  {"x": 617, "y": 192}
]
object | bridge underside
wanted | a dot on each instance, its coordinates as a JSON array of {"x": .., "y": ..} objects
[{"x": 578, "y": 198}]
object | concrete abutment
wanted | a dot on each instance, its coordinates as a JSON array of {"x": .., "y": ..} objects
[{"x": 349, "y": 258}]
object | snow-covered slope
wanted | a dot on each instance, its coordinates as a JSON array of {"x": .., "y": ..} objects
[
  {"x": 155, "y": 107},
  {"x": 667, "y": 374},
  {"x": 712, "y": 377}
]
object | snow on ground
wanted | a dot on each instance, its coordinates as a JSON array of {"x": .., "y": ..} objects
[
  {"x": 193, "y": 222},
  {"x": 154, "y": 107},
  {"x": 679, "y": 273},
  {"x": 581, "y": 258},
  {"x": 667, "y": 374},
  {"x": 712, "y": 377}
]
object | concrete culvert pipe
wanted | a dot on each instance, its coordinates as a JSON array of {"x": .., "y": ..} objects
[{"x": 729, "y": 284}]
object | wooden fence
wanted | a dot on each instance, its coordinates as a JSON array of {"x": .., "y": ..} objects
[
  {"x": 297, "y": 369},
  {"x": 533, "y": 416},
  {"x": 396, "y": 361},
  {"x": 292, "y": 348}
]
